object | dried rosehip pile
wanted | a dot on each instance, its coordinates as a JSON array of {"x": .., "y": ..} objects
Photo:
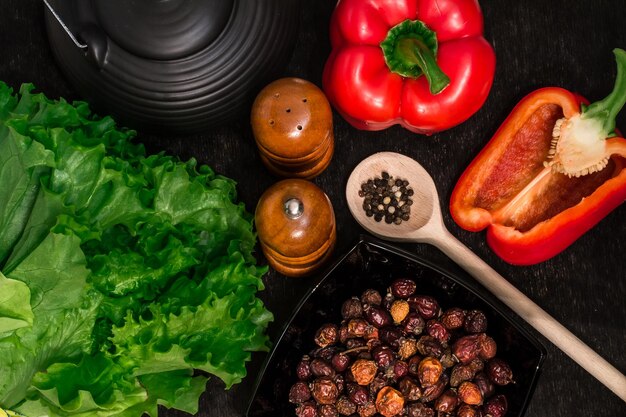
[{"x": 401, "y": 355}]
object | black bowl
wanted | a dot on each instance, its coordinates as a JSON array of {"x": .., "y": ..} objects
[{"x": 374, "y": 264}]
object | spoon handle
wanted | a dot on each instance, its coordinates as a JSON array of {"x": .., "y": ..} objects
[{"x": 534, "y": 315}]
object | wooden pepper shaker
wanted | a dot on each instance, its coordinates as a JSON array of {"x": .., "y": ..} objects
[
  {"x": 296, "y": 227},
  {"x": 292, "y": 124}
]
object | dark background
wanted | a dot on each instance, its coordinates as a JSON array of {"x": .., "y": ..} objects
[{"x": 537, "y": 43}]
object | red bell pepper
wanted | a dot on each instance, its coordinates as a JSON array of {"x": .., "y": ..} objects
[
  {"x": 547, "y": 176},
  {"x": 381, "y": 49}
]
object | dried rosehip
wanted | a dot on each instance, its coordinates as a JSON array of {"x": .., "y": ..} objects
[
  {"x": 355, "y": 343},
  {"x": 352, "y": 309},
  {"x": 377, "y": 384},
  {"x": 414, "y": 363},
  {"x": 434, "y": 391},
  {"x": 324, "y": 390},
  {"x": 319, "y": 367},
  {"x": 383, "y": 356},
  {"x": 408, "y": 348},
  {"x": 469, "y": 393},
  {"x": 388, "y": 300},
  {"x": 429, "y": 346},
  {"x": 363, "y": 371},
  {"x": 299, "y": 393},
  {"x": 371, "y": 333},
  {"x": 437, "y": 330},
  {"x": 447, "y": 359},
  {"x": 466, "y": 410},
  {"x": 419, "y": 410},
  {"x": 371, "y": 297},
  {"x": 487, "y": 388},
  {"x": 345, "y": 407},
  {"x": 477, "y": 365},
  {"x": 429, "y": 371},
  {"x": 389, "y": 402},
  {"x": 475, "y": 322},
  {"x": 447, "y": 401},
  {"x": 400, "y": 369},
  {"x": 357, "y": 327},
  {"x": 413, "y": 323},
  {"x": 495, "y": 406},
  {"x": 326, "y": 353},
  {"x": 340, "y": 381},
  {"x": 327, "y": 335},
  {"x": 399, "y": 310},
  {"x": 367, "y": 410},
  {"x": 390, "y": 335},
  {"x": 461, "y": 373},
  {"x": 466, "y": 348},
  {"x": 453, "y": 318},
  {"x": 410, "y": 389},
  {"x": 377, "y": 316},
  {"x": 357, "y": 394},
  {"x": 403, "y": 288},
  {"x": 306, "y": 410},
  {"x": 426, "y": 305},
  {"x": 327, "y": 410},
  {"x": 487, "y": 348},
  {"x": 340, "y": 362},
  {"x": 343, "y": 334},
  {"x": 499, "y": 372},
  {"x": 303, "y": 370}
]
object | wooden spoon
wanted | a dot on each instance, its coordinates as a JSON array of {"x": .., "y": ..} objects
[{"x": 426, "y": 225}]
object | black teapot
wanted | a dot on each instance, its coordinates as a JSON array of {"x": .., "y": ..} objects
[{"x": 171, "y": 66}]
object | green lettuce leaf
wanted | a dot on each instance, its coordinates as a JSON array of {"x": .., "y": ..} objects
[
  {"x": 126, "y": 279},
  {"x": 15, "y": 311}
]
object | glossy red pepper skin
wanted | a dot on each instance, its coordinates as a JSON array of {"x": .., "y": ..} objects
[
  {"x": 554, "y": 234},
  {"x": 369, "y": 96}
]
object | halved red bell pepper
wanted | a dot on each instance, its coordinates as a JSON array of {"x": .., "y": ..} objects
[
  {"x": 381, "y": 49},
  {"x": 532, "y": 207}
]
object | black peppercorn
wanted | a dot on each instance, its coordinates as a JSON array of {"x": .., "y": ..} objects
[{"x": 384, "y": 198}]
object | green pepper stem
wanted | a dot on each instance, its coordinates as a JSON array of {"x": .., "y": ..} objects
[
  {"x": 416, "y": 52},
  {"x": 605, "y": 111},
  {"x": 410, "y": 50}
]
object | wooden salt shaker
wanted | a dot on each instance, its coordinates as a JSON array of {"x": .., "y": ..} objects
[
  {"x": 296, "y": 227},
  {"x": 292, "y": 124}
]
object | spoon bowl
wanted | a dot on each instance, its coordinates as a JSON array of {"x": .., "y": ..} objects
[
  {"x": 426, "y": 225},
  {"x": 402, "y": 167}
]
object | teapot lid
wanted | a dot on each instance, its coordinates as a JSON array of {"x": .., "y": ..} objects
[{"x": 164, "y": 29}]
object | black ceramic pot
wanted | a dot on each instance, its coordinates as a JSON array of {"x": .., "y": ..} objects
[
  {"x": 375, "y": 264},
  {"x": 176, "y": 66}
]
